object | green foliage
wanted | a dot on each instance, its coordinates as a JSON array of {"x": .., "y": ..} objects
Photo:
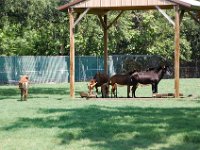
[
  {"x": 191, "y": 30},
  {"x": 36, "y": 27},
  {"x": 89, "y": 36},
  {"x": 32, "y": 28}
]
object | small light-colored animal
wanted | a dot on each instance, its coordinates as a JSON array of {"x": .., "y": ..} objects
[
  {"x": 23, "y": 86},
  {"x": 91, "y": 86}
]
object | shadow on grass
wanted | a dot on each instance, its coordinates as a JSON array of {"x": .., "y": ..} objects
[
  {"x": 49, "y": 90},
  {"x": 9, "y": 92},
  {"x": 34, "y": 92},
  {"x": 121, "y": 128}
]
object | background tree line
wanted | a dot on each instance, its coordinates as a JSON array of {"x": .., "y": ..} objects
[{"x": 36, "y": 27}]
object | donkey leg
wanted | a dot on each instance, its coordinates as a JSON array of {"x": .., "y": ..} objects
[
  {"x": 153, "y": 88},
  {"x": 107, "y": 92},
  {"x": 112, "y": 91},
  {"x": 102, "y": 92},
  {"x": 128, "y": 91},
  {"x": 115, "y": 90},
  {"x": 156, "y": 88},
  {"x": 134, "y": 87},
  {"x": 96, "y": 91},
  {"x": 25, "y": 95},
  {"x": 21, "y": 90}
]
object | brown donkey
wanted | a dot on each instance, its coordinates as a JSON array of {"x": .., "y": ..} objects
[
  {"x": 101, "y": 79},
  {"x": 121, "y": 79},
  {"x": 23, "y": 86}
]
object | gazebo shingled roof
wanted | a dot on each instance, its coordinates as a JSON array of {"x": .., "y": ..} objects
[
  {"x": 101, "y": 7},
  {"x": 190, "y": 4}
]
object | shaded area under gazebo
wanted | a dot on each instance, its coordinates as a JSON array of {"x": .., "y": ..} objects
[{"x": 101, "y": 8}]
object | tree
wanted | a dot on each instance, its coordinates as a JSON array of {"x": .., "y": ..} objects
[
  {"x": 191, "y": 30},
  {"x": 35, "y": 27},
  {"x": 32, "y": 28}
]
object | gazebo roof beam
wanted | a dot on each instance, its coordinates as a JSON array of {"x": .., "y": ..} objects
[
  {"x": 189, "y": 4},
  {"x": 92, "y": 11},
  {"x": 66, "y": 6},
  {"x": 104, "y": 10}
]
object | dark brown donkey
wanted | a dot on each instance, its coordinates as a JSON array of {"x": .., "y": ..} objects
[
  {"x": 153, "y": 77},
  {"x": 101, "y": 79},
  {"x": 121, "y": 79}
]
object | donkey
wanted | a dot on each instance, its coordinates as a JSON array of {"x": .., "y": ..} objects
[
  {"x": 23, "y": 86},
  {"x": 121, "y": 79},
  {"x": 100, "y": 79},
  {"x": 153, "y": 77}
]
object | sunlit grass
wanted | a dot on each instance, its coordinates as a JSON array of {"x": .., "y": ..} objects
[{"x": 50, "y": 120}]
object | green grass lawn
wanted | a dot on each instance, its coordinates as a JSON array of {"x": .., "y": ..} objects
[{"x": 50, "y": 120}]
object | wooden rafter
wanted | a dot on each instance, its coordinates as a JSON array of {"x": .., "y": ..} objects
[
  {"x": 81, "y": 16},
  {"x": 165, "y": 15},
  {"x": 194, "y": 17},
  {"x": 108, "y": 26},
  {"x": 115, "y": 19}
]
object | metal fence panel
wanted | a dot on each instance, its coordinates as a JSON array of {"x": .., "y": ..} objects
[
  {"x": 55, "y": 69},
  {"x": 40, "y": 69}
]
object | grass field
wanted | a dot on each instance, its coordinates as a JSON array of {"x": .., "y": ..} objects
[{"x": 50, "y": 120}]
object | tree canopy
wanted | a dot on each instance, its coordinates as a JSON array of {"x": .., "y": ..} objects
[{"x": 36, "y": 27}]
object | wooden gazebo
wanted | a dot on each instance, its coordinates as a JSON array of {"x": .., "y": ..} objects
[{"x": 101, "y": 8}]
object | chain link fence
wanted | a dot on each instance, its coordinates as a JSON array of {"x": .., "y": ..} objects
[{"x": 55, "y": 69}]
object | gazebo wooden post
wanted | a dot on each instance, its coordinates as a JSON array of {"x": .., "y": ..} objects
[
  {"x": 177, "y": 51},
  {"x": 105, "y": 45},
  {"x": 72, "y": 53}
]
